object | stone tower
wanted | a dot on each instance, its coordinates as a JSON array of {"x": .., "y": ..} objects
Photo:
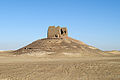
[{"x": 57, "y": 32}]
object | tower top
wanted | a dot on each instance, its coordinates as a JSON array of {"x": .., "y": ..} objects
[{"x": 57, "y": 32}]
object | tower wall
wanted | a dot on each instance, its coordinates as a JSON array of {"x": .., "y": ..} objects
[
  {"x": 51, "y": 31},
  {"x": 64, "y": 32},
  {"x": 57, "y": 32}
]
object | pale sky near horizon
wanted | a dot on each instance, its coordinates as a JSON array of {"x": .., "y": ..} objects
[{"x": 95, "y": 22}]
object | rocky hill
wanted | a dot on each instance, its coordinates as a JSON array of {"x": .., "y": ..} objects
[
  {"x": 59, "y": 46},
  {"x": 58, "y": 43}
]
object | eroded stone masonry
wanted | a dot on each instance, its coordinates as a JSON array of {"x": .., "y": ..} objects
[{"x": 57, "y": 32}]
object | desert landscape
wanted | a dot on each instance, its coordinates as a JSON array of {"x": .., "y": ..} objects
[
  {"x": 59, "y": 40},
  {"x": 59, "y": 57},
  {"x": 13, "y": 67}
]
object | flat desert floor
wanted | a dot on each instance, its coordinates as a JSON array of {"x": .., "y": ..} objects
[{"x": 54, "y": 68}]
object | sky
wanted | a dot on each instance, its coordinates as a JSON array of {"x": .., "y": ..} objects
[{"x": 94, "y": 22}]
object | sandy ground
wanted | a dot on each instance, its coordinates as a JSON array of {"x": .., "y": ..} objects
[{"x": 34, "y": 68}]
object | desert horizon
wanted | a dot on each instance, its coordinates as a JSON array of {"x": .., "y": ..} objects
[
  {"x": 59, "y": 57},
  {"x": 59, "y": 40}
]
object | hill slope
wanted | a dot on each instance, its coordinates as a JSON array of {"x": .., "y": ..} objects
[{"x": 59, "y": 46}]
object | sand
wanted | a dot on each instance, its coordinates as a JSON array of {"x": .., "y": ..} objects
[{"x": 59, "y": 68}]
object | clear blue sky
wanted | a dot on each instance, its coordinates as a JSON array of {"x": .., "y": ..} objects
[{"x": 95, "y": 22}]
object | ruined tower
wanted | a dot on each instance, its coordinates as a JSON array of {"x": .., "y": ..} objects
[{"x": 57, "y": 32}]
